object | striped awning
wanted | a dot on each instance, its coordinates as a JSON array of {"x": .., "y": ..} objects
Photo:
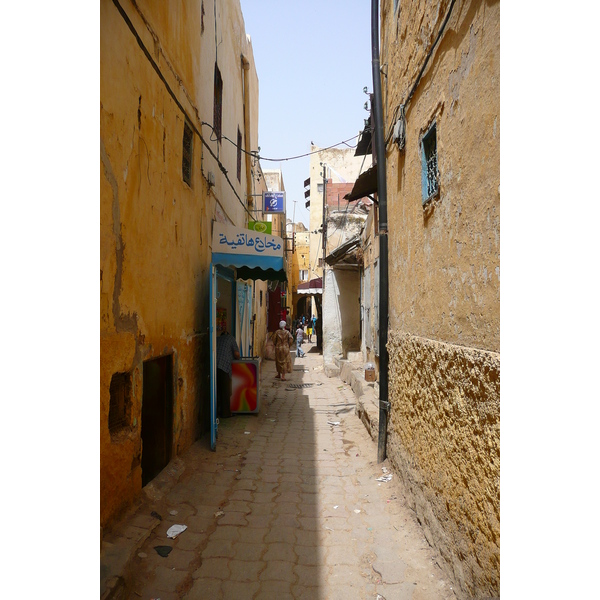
[{"x": 314, "y": 286}]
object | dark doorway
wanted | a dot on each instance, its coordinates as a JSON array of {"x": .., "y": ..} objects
[
  {"x": 276, "y": 309},
  {"x": 157, "y": 416},
  {"x": 303, "y": 307}
]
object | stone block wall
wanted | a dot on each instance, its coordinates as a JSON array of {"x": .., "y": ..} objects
[{"x": 444, "y": 442}]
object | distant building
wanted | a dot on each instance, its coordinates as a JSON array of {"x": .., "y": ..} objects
[
  {"x": 342, "y": 272},
  {"x": 333, "y": 170},
  {"x": 300, "y": 268},
  {"x": 341, "y": 167},
  {"x": 278, "y": 305}
]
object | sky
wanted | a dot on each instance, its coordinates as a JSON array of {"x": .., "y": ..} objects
[{"x": 313, "y": 60}]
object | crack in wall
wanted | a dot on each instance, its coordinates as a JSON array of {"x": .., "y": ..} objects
[{"x": 123, "y": 322}]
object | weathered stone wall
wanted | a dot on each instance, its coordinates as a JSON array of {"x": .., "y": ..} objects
[
  {"x": 445, "y": 255},
  {"x": 444, "y": 274},
  {"x": 444, "y": 442},
  {"x": 155, "y": 228}
]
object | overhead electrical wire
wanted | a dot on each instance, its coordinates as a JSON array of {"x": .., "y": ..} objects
[
  {"x": 420, "y": 75},
  {"x": 177, "y": 102},
  {"x": 257, "y": 155},
  {"x": 195, "y": 129}
]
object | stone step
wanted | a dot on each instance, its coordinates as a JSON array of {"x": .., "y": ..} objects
[{"x": 355, "y": 357}]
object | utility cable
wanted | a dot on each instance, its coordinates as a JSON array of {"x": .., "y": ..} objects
[
  {"x": 420, "y": 75},
  {"x": 256, "y": 155}
]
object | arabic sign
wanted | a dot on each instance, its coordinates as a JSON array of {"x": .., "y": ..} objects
[
  {"x": 228, "y": 239},
  {"x": 274, "y": 202},
  {"x": 260, "y": 226}
]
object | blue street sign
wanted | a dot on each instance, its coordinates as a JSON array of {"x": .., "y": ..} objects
[{"x": 274, "y": 202}]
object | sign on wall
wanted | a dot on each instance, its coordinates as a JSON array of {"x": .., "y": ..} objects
[
  {"x": 228, "y": 239},
  {"x": 274, "y": 202},
  {"x": 261, "y": 226}
]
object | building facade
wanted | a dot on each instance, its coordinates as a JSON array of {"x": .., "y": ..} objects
[
  {"x": 278, "y": 305},
  {"x": 440, "y": 86},
  {"x": 341, "y": 166},
  {"x": 301, "y": 304},
  {"x": 334, "y": 169},
  {"x": 178, "y": 121},
  {"x": 342, "y": 272}
]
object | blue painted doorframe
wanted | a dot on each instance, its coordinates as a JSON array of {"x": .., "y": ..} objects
[
  {"x": 225, "y": 274},
  {"x": 213, "y": 357}
]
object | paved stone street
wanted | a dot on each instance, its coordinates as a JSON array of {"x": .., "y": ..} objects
[{"x": 288, "y": 506}]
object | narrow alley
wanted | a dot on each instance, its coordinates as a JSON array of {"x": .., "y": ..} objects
[{"x": 292, "y": 504}]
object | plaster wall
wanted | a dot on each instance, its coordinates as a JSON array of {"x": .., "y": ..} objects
[
  {"x": 156, "y": 229},
  {"x": 369, "y": 302},
  {"x": 445, "y": 258},
  {"x": 444, "y": 274},
  {"x": 341, "y": 313}
]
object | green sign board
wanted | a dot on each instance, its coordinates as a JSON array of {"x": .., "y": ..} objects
[{"x": 260, "y": 226}]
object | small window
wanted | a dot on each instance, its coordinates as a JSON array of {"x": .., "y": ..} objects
[
  {"x": 320, "y": 188},
  {"x": 120, "y": 402},
  {"x": 239, "y": 155},
  {"x": 261, "y": 297},
  {"x": 303, "y": 274},
  {"x": 429, "y": 165},
  {"x": 188, "y": 146},
  {"x": 218, "y": 106}
]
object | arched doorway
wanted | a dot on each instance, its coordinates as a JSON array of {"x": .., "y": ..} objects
[{"x": 303, "y": 307}]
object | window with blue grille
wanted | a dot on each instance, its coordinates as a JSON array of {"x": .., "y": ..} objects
[{"x": 429, "y": 165}]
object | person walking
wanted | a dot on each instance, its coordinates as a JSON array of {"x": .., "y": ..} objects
[
  {"x": 227, "y": 350},
  {"x": 299, "y": 338},
  {"x": 283, "y": 361}
]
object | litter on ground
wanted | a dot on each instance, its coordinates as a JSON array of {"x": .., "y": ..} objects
[{"x": 175, "y": 530}]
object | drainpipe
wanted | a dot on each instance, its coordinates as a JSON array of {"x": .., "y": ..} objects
[{"x": 384, "y": 404}]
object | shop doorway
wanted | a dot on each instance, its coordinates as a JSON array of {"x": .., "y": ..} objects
[
  {"x": 276, "y": 308},
  {"x": 157, "y": 416}
]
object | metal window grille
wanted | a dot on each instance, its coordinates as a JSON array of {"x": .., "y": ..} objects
[
  {"x": 120, "y": 401},
  {"x": 430, "y": 166},
  {"x": 186, "y": 162},
  {"x": 218, "y": 105},
  {"x": 239, "y": 155}
]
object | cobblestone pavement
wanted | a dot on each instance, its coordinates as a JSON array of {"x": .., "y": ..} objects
[{"x": 289, "y": 506}]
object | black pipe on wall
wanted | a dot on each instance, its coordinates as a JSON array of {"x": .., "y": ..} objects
[{"x": 383, "y": 233}]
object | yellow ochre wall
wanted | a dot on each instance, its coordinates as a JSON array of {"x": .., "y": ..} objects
[
  {"x": 155, "y": 242},
  {"x": 444, "y": 274}
]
